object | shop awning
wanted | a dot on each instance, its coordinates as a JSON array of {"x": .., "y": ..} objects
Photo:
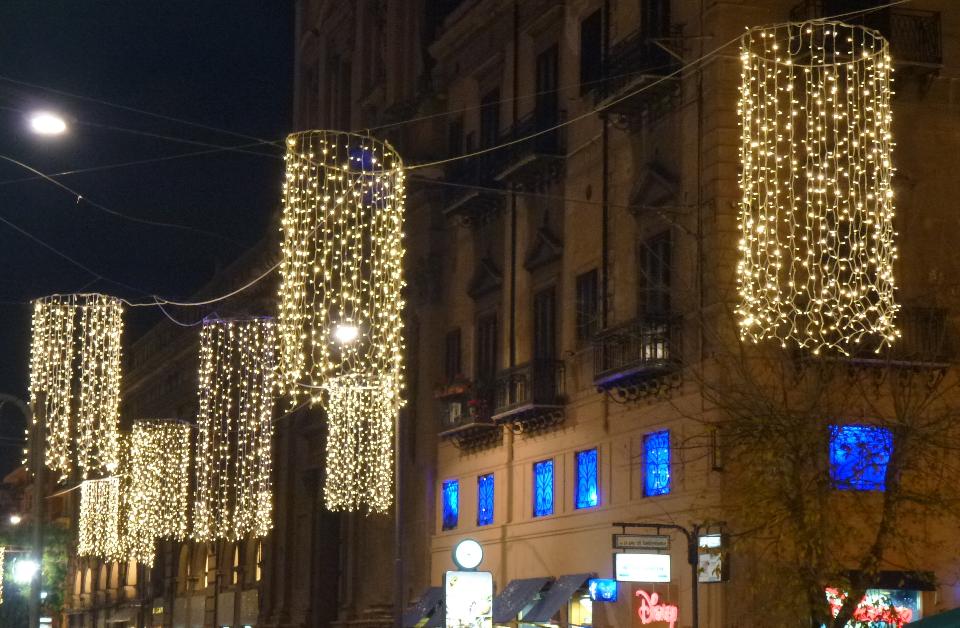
[
  {"x": 428, "y": 606},
  {"x": 949, "y": 619},
  {"x": 556, "y": 596},
  {"x": 514, "y": 597}
]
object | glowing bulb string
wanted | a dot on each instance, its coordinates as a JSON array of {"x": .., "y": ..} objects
[{"x": 448, "y": 160}]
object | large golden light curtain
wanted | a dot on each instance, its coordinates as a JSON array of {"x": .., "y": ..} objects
[
  {"x": 816, "y": 234},
  {"x": 341, "y": 304},
  {"x": 75, "y": 351},
  {"x": 233, "y": 463},
  {"x": 157, "y": 501}
]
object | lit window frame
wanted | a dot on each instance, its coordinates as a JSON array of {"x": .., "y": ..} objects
[
  {"x": 540, "y": 506},
  {"x": 586, "y": 490},
  {"x": 655, "y": 469},
  {"x": 450, "y": 504}
]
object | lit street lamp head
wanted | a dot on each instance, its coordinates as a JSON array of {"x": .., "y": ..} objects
[
  {"x": 345, "y": 333},
  {"x": 47, "y": 123},
  {"x": 15, "y": 520},
  {"x": 24, "y": 570}
]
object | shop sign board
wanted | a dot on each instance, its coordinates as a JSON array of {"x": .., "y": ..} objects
[
  {"x": 642, "y": 567},
  {"x": 656, "y": 542},
  {"x": 651, "y": 609},
  {"x": 469, "y": 599}
]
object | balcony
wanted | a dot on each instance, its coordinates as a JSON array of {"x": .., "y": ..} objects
[
  {"x": 914, "y": 36},
  {"x": 473, "y": 195},
  {"x": 637, "y": 75},
  {"x": 465, "y": 415},
  {"x": 539, "y": 158},
  {"x": 633, "y": 359},
  {"x": 530, "y": 397},
  {"x": 927, "y": 342}
]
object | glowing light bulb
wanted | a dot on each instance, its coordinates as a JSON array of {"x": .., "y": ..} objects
[
  {"x": 24, "y": 570},
  {"x": 346, "y": 333},
  {"x": 15, "y": 520},
  {"x": 47, "y": 123}
]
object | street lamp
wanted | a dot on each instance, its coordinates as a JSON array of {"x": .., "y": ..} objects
[
  {"x": 15, "y": 520},
  {"x": 47, "y": 123},
  {"x": 24, "y": 570}
]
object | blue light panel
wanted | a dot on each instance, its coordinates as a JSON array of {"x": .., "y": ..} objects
[
  {"x": 543, "y": 488},
  {"x": 656, "y": 463},
  {"x": 859, "y": 455},
  {"x": 485, "y": 500},
  {"x": 602, "y": 589},
  {"x": 451, "y": 504},
  {"x": 587, "y": 495}
]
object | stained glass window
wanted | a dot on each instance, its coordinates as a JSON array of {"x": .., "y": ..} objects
[
  {"x": 451, "y": 504},
  {"x": 859, "y": 455},
  {"x": 543, "y": 488},
  {"x": 485, "y": 500},
  {"x": 587, "y": 495},
  {"x": 656, "y": 463}
]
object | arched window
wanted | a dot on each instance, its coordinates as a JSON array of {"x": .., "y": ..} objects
[
  {"x": 259, "y": 569},
  {"x": 235, "y": 573}
]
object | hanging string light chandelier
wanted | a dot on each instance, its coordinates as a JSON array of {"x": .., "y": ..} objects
[
  {"x": 235, "y": 427},
  {"x": 99, "y": 524},
  {"x": 816, "y": 214},
  {"x": 3, "y": 552},
  {"x": 159, "y": 481},
  {"x": 341, "y": 341},
  {"x": 76, "y": 346}
]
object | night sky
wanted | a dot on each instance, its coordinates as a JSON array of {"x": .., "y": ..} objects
[{"x": 223, "y": 63}]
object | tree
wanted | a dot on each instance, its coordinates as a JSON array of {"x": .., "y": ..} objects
[
  {"x": 834, "y": 470},
  {"x": 15, "y": 608}
]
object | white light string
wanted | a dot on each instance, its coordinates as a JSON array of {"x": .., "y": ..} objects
[
  {"x": 816, "y": 216},
  {"x": 76, "y": 346},
  {"x": 234, "y": 451}
]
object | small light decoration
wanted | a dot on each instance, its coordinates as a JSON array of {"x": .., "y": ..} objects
[
  {"x": 3, "y": 552},
  {"x": 816, "y": 234},
  {"x": 159, "y": 481},
  {"x": 76, "y": 346},
  {"x": 99, "y": 525},
  {"x": 235, "y": 428},
  {"x": 340, "y": 303}
]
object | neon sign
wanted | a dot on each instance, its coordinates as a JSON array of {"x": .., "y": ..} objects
[
  {"x": 651, "y": 609},
  {"x": 875, "y": 607}
]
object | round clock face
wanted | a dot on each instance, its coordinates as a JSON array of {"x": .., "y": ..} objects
[{"x": 467, "y": 554}]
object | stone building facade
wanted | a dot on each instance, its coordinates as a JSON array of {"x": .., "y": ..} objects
[{"x": 565, "y": 294}]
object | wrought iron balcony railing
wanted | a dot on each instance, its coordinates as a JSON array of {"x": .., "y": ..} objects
[
  {"x": 926, "y": 340},
  {"x": 641, "y": 349},
  {"x": 532, "y": 387},
  {"x": 471, "y": 407},
  {"x": 473, "y": 191},
  {"x": 547, "y": 144},
  {"x": 634, "y": 58},
  {"x": 914, "y": 36}
]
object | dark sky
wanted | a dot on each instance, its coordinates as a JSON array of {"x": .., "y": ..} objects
[{"x": 223, "y": 63}]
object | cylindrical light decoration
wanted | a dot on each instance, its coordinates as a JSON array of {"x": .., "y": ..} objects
[
  {"x": 76, "y": 347},
  {"x": 340, "y": 303},
  {"x": 816, "y": 215},
  {"x": 238, "y": 360},
  {"x": 3, "y": 551},
  {"x": 98, "y": 527},
  {"x": 159, "y": 481}
]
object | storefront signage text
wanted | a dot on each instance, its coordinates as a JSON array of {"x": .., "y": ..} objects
[{"x": 651, "y": 609}]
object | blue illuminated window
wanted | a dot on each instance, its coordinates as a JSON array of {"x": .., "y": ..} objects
[
  {"x": 485, "y": 500},
  {"x": 587, "y": 495},
  {"x": 451, "y": 504},
  {"x": 656, "y": 463},
  {"x": 859, "y": 455},
  {"x": 543, "y": 488}
]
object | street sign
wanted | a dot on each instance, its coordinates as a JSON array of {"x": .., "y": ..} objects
[
  {"x": 656, "y": 542},
  {"x": 641, "y": 567}
]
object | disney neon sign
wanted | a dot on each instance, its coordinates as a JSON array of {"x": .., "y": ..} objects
[{"x": 651, "y": 609}]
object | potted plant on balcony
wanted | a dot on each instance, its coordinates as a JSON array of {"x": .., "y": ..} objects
[{"x": 477, "y": 407}]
